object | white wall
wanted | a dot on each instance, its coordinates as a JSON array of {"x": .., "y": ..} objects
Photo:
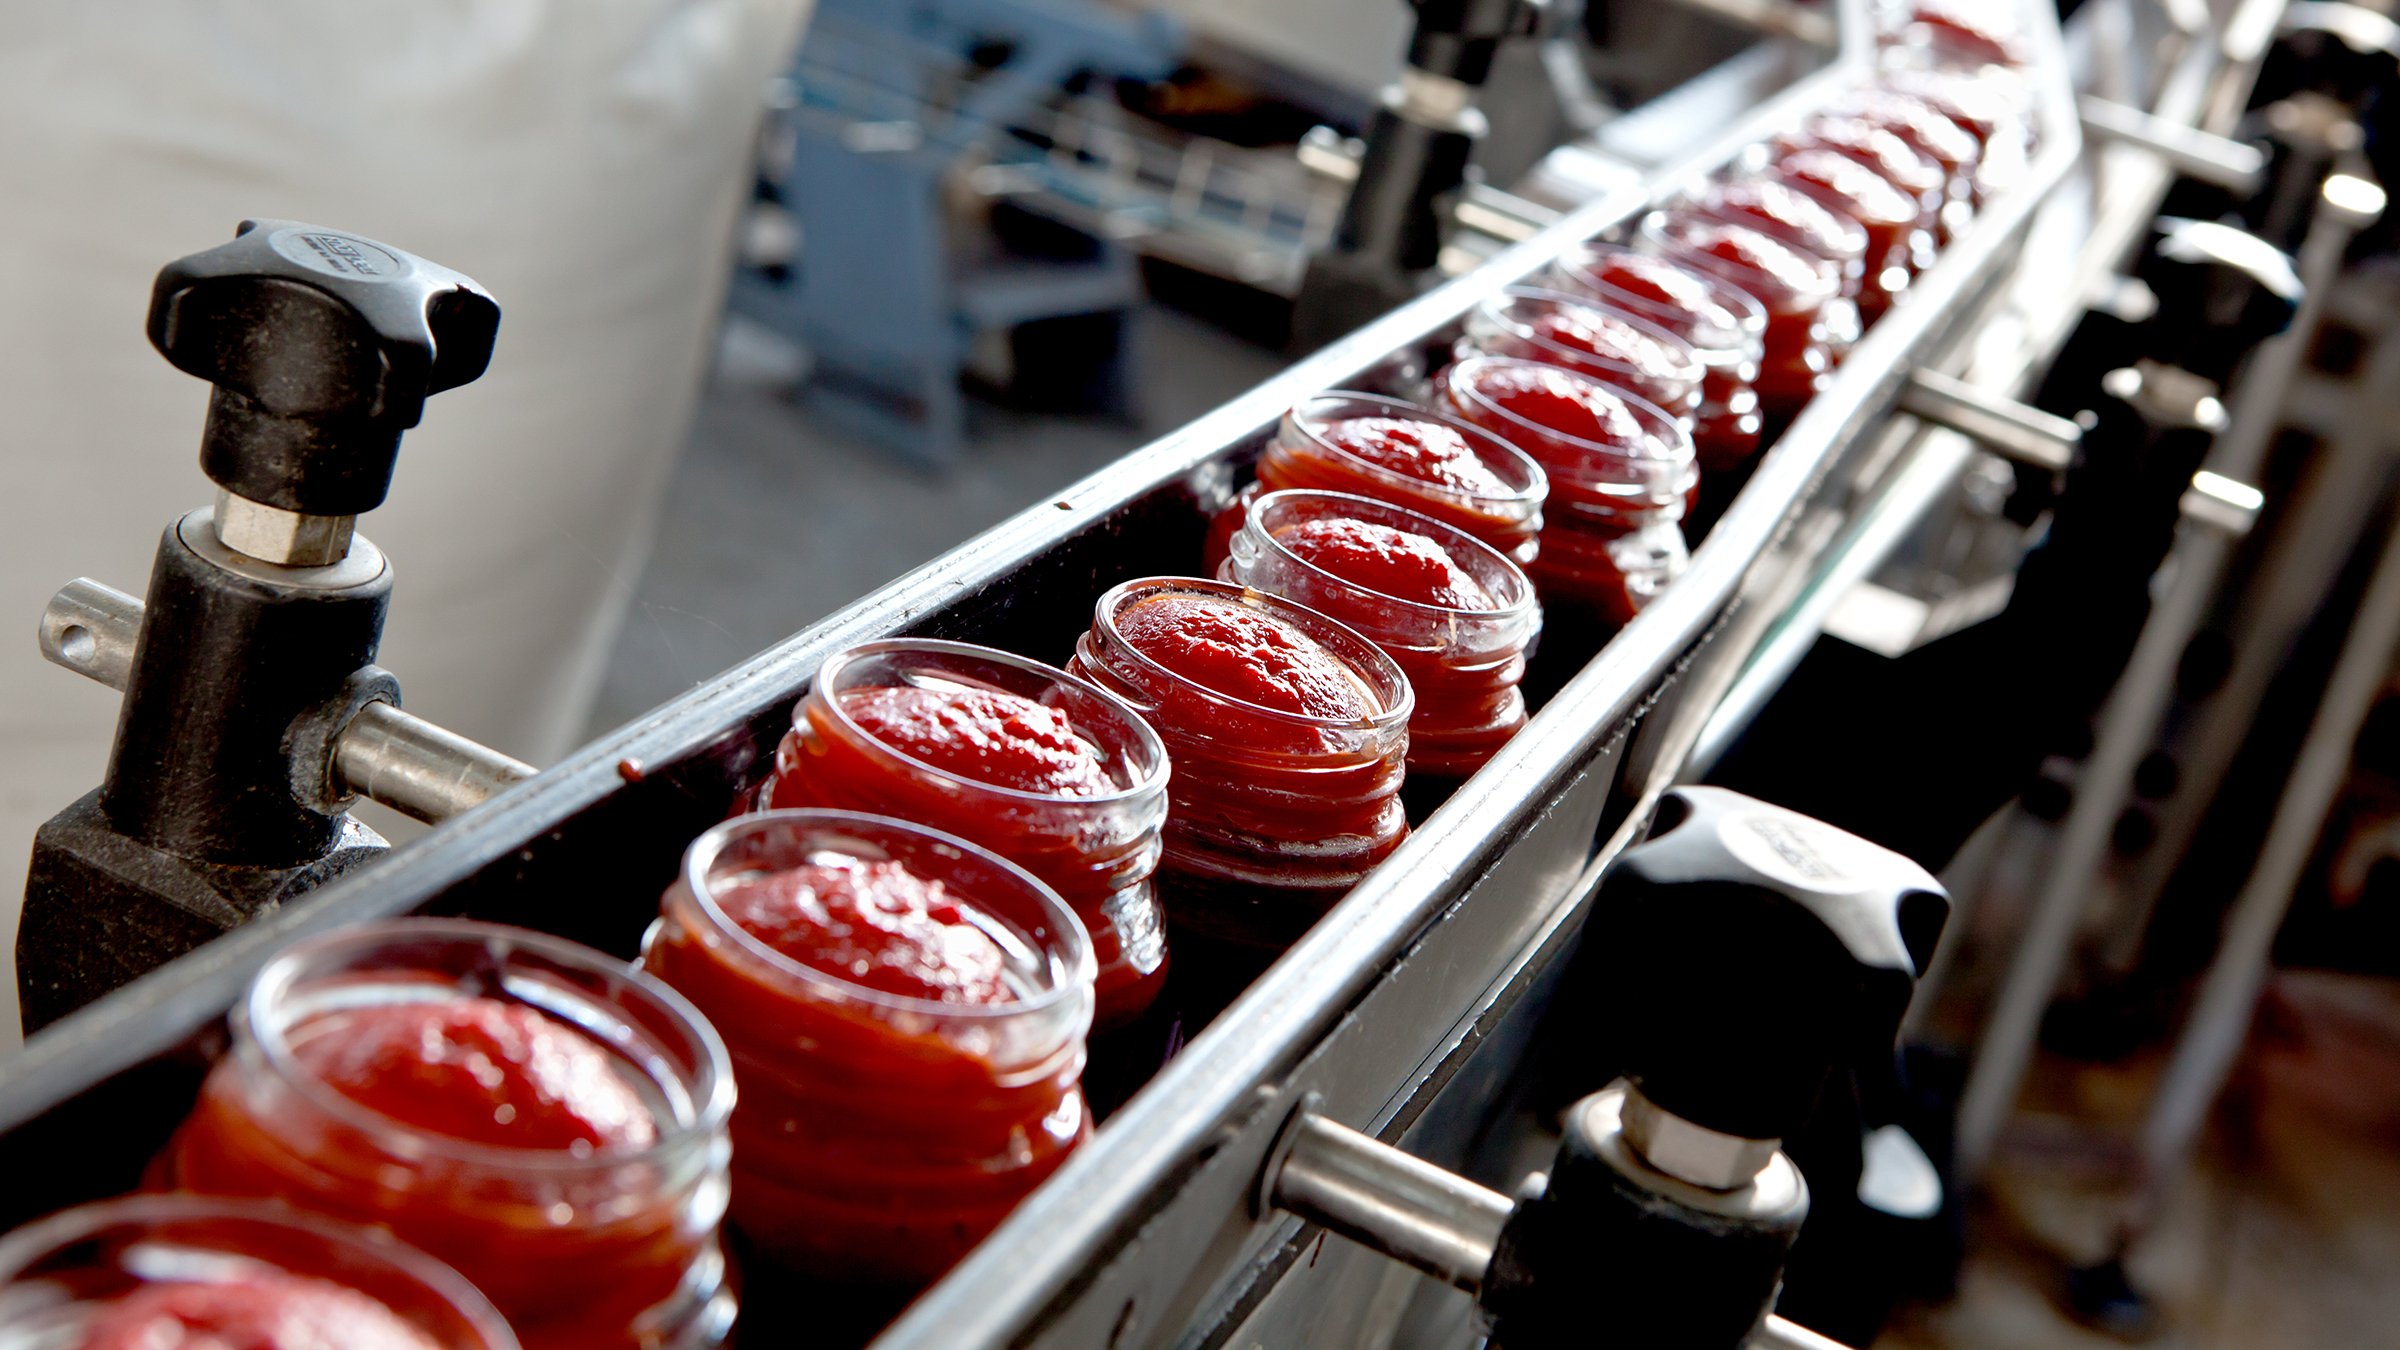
[{"x": 581, "y": 158}]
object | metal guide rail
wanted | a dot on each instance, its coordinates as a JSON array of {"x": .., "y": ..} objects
[
  {"x": 1147, "y": 1237},
  {"x": 2086, "y": 235}
]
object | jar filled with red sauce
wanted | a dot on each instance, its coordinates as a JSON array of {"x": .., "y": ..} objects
[
  {"x": 1794, "y": 287},
  {"x": 1992, "y": 104},
  {"x": 1289, "y": 735},
  {"x": 1450, "y": 610},
  {"x": 1898, "y": 245},
  {"x": 1725, "y": 325},
  {"x": 1622, "y": 476},
  {"x": 1053, "y": 774},
  {"x": 187, "y": 1272},
  {"x": 511, "y": 1103},
  {"x": 1927, "y": 129},
  {"x": 1614, "y": 346},
  {"x": 907, "y": 1014},
  {"x": 1397, "y": 452},
  {"x": 1807, "y": 225},
  {"x": 1898, "y": 163},
  {"x": 1964, "y": 33}
]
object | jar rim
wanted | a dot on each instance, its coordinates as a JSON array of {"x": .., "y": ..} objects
[
  {"x": 1656, "y": 420},
  {"x": 1924, "y": 169},
  {"x": 1302, "y": 421},
  {"x": 29, "y": 1242},
  {"x": 1691, "y": 371},
  {"x": 711, "y": 1091},
  {"x": 1849, "y": 247},
  {"x": 1075, "y": 940},
  {"x": 1825, "y": 279},
  {"x": 1380, "y": 667},
  {"x": 1895, "y": 107},
  {"x": 1748, "y": 314},
  {"x": 1901, "y": 210},
  {"x": 1152, "y": 770},
  {"x": 1449, "y": 536}
]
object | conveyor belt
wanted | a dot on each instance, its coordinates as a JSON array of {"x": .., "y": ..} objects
[{"x": 1421, "y": 979}]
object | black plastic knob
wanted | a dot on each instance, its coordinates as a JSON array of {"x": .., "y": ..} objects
[
  {"x": 2221, "y": 292},
  {"x": 323, "y": 347},
  {"x": 1760, "y": 948},
  {"x": 2348, "y": 52},
  {"x": 1457, "y": 39}
]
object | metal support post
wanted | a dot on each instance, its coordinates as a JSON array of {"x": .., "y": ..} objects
[{"x": 2131, "y": 716}]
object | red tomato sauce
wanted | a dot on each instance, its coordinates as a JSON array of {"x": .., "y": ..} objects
[
  {"x": 265, "y": 1312},
  {"x": 1615, "y": 474},
  {"x": 1381, "y": 448},
  {"x": 503, "y": 1141},
  {"x": 1724, "y": 325},
  {"x": 903, "y": 1082},
  {"x": 1083, "y": 818},
  {"x": 1410, "y": 585},
  {"x": 1795, "y": 288},
  {"x": 1387, "y": 560},
  {"x": 1288, "y": 735}
]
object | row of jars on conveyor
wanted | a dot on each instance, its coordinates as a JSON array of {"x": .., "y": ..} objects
[{"x": 861, "y": 1017}]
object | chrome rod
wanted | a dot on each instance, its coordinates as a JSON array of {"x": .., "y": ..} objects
[
  {"x": 1364, "y": 1189},
  {"x": 1777, "y": 1334},
  {"x": 418, "y": 769},
  {"x": 2220, "y": 1019},
  {"x": 2237, "y": 167},
  {"x": 394, "y": 757},
  {"x": 2130, "y": 719},
  {"x": 90, "y": 628},
  {"x": 2017, "y": 432}
]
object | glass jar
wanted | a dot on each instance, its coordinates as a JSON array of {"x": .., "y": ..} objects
[
  {"x": 1725, "y": 325},
  {"x": 1993, "y": 104},
  {"x": 1096, "y": 851},
  {"x": 1273, "y": 815},
  {"x": 1503, "y": 510},
  {"x": 1926, "y": 128},
  {"x": 1898, "y": 163},
  {"x": 1965, "y": 35},
  {"x": 1795, "y": 288},
  {"x": 1613, "y": 538},
  {"x": 578, "y": 1247},
  {"x": 1806, "y": 223},
  {"x": 1897, "y": 243},
  {"x": 1614, "y": 346},
  {"x": 880, "y": 1136},
  {"x": 1806, "y": 226},
  {"x": 1462, "y": 664},
  {"x": 102, "y": 1271}
]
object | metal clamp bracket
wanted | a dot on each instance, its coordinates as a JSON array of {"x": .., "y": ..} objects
[{"x": 394, "y": 757}]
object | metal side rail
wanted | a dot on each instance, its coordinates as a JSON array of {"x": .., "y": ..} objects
[
  {"x": 1149, "y": 1228},
  {"x": 2099, "y": 220}
]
